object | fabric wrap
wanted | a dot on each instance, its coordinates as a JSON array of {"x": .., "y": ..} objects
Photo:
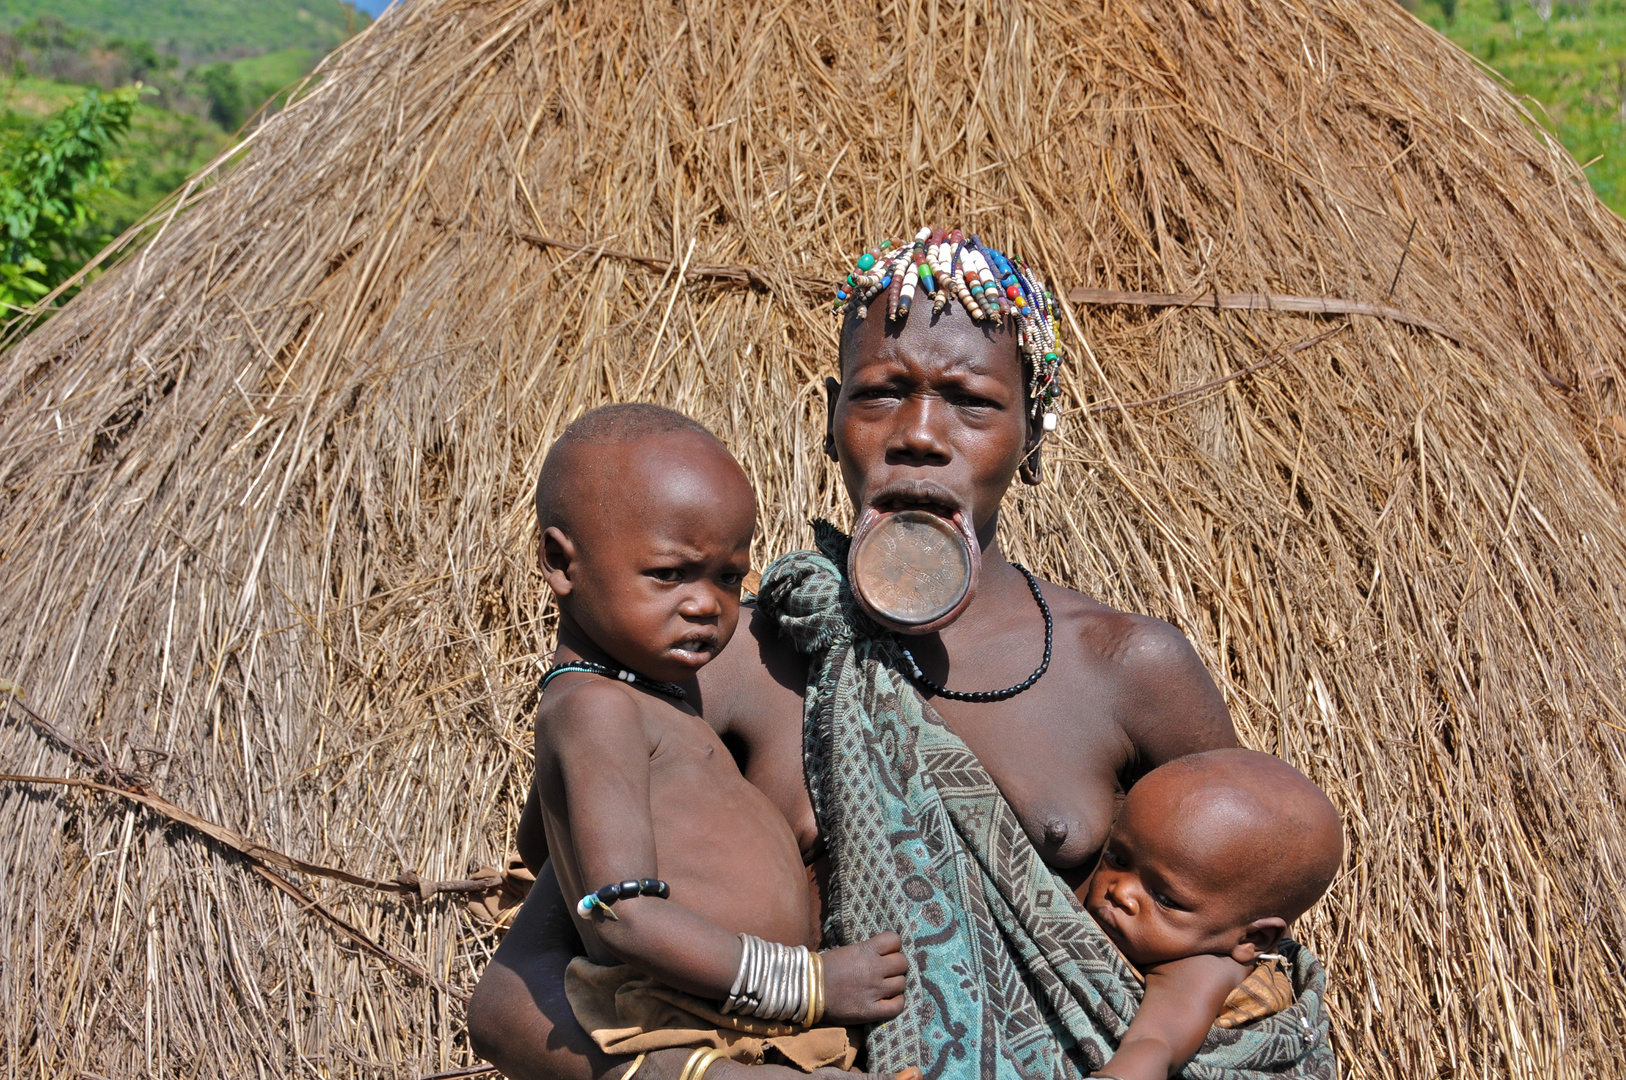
[
  {"x": 629, "y": 1013},
  {"x": 1008, "y": 976}
]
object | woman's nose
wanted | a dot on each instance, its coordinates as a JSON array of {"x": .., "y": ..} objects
[{"x": 920, "y": 430}]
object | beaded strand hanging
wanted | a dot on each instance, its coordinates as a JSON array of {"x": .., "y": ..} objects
[{"x": 945, "y": 264}]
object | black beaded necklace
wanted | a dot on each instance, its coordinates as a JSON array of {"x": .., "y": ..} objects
[
  {"x": 1010, "y": 691},
  {"x": 588, "y": 667}
]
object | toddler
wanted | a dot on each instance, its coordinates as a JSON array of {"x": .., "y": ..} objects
[{"x": 694, "y": 906}]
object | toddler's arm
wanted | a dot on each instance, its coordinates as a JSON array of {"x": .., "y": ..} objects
[{"x": 1183, "y": 999}]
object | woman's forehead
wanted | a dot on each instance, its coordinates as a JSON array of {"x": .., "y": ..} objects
[{"x": 946, "y": 340}]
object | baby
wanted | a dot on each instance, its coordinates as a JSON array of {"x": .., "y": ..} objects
[
  {"x": 689, "y": 878},
  {"x": 1211, "y": 859}
]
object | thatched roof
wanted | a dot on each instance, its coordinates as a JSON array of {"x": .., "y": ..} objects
[{"x": 264, "y": 537}]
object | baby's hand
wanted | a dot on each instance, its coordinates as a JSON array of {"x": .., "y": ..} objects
[
  {"x": 863, "y": 983},
  {"x": 1137, "y": 1061}
]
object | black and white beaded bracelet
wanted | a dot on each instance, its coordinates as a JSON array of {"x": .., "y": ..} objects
[{"x": 624, "y": 890}]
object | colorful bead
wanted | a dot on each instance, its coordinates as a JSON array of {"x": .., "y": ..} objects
[{"x": 988, "y": 284}]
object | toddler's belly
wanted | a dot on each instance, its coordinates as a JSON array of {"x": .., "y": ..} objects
[{"x": 729, "y": 855}]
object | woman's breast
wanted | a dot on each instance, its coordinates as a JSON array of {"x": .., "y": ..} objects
[{"x": 1058, "y": 775}]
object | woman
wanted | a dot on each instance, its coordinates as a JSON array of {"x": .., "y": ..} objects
[{"x": 940, "y": 411}]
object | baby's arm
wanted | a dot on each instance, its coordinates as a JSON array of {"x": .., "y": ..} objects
[
  {"x": 600, "y": 773},
  {"x": 1183, "y": 999}
]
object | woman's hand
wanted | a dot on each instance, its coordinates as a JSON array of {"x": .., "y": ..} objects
[{"x": 863, "y": 983}]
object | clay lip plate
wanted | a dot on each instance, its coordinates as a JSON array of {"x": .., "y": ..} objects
[{"x": 911, "y": 568}]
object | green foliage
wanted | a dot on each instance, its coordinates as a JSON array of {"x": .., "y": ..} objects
[
  {"x": 1571, "y": 65},
  {"x": 225, "y": 93},
  {"x": 78, "y": 164},
  {"x": 50, "y": 179},
  {"x": 203, "y": 31}
]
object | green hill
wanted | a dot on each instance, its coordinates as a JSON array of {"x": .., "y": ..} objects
[
  {"x": 1567, "y": 60},
  {"x": 199, "y": 31}
]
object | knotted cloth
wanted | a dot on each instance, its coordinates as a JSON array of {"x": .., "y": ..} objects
[{"x": 1008, "y": 976}]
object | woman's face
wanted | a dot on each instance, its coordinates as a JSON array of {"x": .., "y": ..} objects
[{"x": 931, "y": 413}]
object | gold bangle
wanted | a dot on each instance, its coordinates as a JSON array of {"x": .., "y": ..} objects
[
  {"x": 818, "y": 988},
  {"x": 636, "y": 1063},
  {"x": 811, "y": 1004},
  {"x": 709, "y": 1057},
  {"x": 688, "y": 1066}
]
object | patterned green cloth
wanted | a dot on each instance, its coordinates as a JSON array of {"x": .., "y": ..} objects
[{"x": 1008, "y": 976}]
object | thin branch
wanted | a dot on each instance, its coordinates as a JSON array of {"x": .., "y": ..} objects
[
  {"x": 1301, "y": 305},
  {"x": 407, "y": 883},
  {"x": 1222, "y": 380},
  {"x": 744, "y": 276}
]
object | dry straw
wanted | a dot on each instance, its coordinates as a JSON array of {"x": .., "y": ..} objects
[{"x": 265, "y": 544}]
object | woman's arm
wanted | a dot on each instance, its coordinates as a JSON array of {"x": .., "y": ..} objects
[{"x": 519, "y": 1019}]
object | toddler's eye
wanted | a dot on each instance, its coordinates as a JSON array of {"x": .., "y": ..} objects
[
  {"x": 667, "y": 574},
  {"x": 733, "y": 581},
  {"x": 1113, "y": 859},
  {"x": 1164, "y": 902}
]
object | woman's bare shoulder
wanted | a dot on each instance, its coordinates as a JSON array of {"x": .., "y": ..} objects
[{"x": 1167, "y": 701}]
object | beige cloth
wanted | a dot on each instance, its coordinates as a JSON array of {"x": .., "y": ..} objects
[
  {"x": 629, "y": 1013},
  {"x": 1267, "y": 990}
]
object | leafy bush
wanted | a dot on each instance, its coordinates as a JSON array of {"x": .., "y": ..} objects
[
  {"x": 225, "y": 95},
  {"x": 49, "y": 180}
]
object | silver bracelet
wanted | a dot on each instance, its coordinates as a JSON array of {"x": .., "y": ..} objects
[{"x": 773, "y": 981}]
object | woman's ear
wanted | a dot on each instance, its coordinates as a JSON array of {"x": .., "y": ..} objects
[
  {"x": 556, "y": 558},
  {"x": 1258, "y": 937},
  {"x": 832, "y": 391},
  {"x": 1031, "y": 468}
]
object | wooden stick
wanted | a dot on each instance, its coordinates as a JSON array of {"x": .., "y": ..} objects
[
  {"x": 1297, "y": 347},
  {"x": 1300, "y": 305}
]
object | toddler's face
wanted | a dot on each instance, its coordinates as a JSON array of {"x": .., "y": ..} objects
[
  {"x": 656, "y": 583},
  {"x": 1160, "y": 899}
]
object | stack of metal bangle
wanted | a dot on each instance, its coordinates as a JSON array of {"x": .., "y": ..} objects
[{"x": 778, "y": 982}]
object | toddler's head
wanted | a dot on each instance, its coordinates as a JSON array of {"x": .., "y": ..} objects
[
  {"x": 644, "y": 525},
  {"x": 1216, "y": 853}
]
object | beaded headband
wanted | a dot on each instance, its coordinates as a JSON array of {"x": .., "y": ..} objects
[{"x": 987, "y": 283}]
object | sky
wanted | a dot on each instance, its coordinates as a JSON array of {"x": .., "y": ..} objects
[{"x": 375, "y": 8}]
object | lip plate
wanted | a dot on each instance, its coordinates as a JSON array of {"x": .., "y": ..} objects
[{"x": 912, "y": 570}]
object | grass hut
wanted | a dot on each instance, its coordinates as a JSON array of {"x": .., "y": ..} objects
[{"x": 265, "y": 539}]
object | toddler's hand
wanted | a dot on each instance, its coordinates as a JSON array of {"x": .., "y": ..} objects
[{"x": 863, "y": 983}]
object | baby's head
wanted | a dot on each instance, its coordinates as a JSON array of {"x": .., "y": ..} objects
[
  {"x": 1216, "y": 853},
  {"x": 644, "y": 525}
]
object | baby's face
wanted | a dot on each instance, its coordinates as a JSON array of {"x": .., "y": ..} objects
[
  {"x": 656, "y": 583},
  {"x": 1159, "y": 895}
]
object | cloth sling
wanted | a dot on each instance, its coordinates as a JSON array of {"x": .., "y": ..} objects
[{"x": 1008, "y": 976}]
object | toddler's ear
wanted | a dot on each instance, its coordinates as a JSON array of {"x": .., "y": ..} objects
[
  {"x": 1259, "y": 936},
  {"x": 555, "y": 557}
]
